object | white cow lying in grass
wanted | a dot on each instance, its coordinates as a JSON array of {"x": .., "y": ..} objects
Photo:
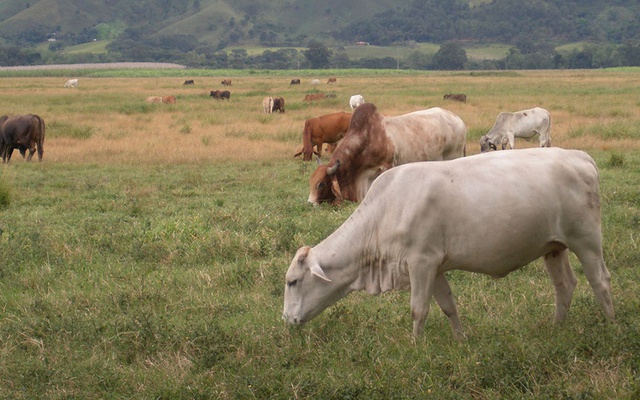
[
  {"x": 521, "y": 124},
  {"x": 420, "y": 220}
]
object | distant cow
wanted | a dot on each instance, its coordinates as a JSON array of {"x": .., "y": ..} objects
[
  {"x": 169, "y": 99},
  {"x": 278, "y": 104},
  {"x": 521, "y": 124},
  {"x": 154, "y": 99},
  {"x": 375, "y": 143},
  {"x": 315, "y": 82},
  {"x": 332, "y": 80},
  {"x": 295, "y": 82},
  {"x": 356, "y": 100},
  {"x": 457, "y": 97},
  {"x": 226, "y": 82},
  {"x": 421, "y": 220},
  {"x": 189, "y": 82},
  {"x": 71, "y": 83},
  {"x": 220, "y": 94},
  {"x": 315, "y": 97},
  {"x": 328, "y": 128},
  {"x": 22, "y": 132},
  {"x": 267, "y": 104}
]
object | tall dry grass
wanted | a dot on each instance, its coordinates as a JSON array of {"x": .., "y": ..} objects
[{"x": 105, "y": 120}]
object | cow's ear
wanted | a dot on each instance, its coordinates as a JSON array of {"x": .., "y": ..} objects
[
  {"x": 303, "y": 253},
  {"x": 317, "y": 271},
  {"x": 335, "y": 189}
]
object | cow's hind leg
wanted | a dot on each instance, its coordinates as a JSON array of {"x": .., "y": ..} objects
[
  {"x": 444, "y": 298},
  {"x": 597, "y": 275},
  {"x": 563, "y": 279}
]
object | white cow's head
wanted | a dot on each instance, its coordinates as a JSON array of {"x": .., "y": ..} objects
[
  {"x": 486, "y": 145},
  {"x": 308, "y": 290}
]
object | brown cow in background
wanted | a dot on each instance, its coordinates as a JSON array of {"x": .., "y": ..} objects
[
  {"x": 22, "y": 132},
  {"x": 328, "y": 128},
  {"x": 226, "y": 82},
  {"x": 220, "y": 94},
  {"x": 278, "y": 104},
  {"x": 457, "y": 97},
  {"x": 314, "y": 97}
]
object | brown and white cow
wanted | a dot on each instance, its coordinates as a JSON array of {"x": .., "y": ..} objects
[
  {"x": 328, "y": 128},
  {"x": 375, "y": 143},
  {"x": 22, "y": 132}
]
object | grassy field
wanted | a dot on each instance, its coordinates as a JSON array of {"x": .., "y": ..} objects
[{"x": 145, "y": 256}]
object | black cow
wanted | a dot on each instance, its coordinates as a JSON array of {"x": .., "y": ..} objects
[
  {"x": 457, "y": 97},
  {"x": 189, "y": 82},
  {"x": 295, "y": 82},
  {"x": 22, "y": 132},
  {"x": 278, "y": 104}
]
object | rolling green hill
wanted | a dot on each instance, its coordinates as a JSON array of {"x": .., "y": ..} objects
[
  {"x": 210, "y": 21},
  {"x": 194, "y": 31}
]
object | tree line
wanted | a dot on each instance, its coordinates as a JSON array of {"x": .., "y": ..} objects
[{"x": 527, "y": 54}]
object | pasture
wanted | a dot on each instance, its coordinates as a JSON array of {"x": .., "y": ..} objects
[{"x": 145, "y": 256}]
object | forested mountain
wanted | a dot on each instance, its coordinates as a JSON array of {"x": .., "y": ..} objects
[{"x": 196, "y": 31}]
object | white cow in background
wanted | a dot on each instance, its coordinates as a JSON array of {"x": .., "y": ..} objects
[
  {"x": 356, "y": 100},
  {"x": 420, "y": 220},
  {"x": 71, "y": 83},
  {"x": 267, "y": 104},
  {"x": 521, "y": 124}
]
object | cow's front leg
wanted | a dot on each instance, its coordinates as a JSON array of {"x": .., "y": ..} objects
[
  {"x": 422, "y": 282},
  {"x": 511, "y": 139}
]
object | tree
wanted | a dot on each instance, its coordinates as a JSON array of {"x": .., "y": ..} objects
[
  {"x": 450, "y": 56},
  {"x": 318, "y": 55}
]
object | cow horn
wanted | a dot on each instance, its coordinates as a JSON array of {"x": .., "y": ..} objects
[
  {"x": 318, "y": 159},
  {"x": 332, "y": 170},
  {"x": 317, "y": 271}
]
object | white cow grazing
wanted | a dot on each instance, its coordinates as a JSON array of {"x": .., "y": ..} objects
[
  {"x": 521, "y": 124},
  {"x": 356, "y": 100},
  {"x": 315, "y": 82},
  {"x": 421, "y": 220},
  {"x": 71, "y": 83},
  {"x": 267, "y": 104}
]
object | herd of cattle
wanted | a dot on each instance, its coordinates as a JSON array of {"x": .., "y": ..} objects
[{"x": 425, "y": 207}]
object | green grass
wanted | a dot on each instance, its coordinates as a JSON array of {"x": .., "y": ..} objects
[
  {"x": 166, "y": 281},
  {"x": 163, "y": 277}
]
